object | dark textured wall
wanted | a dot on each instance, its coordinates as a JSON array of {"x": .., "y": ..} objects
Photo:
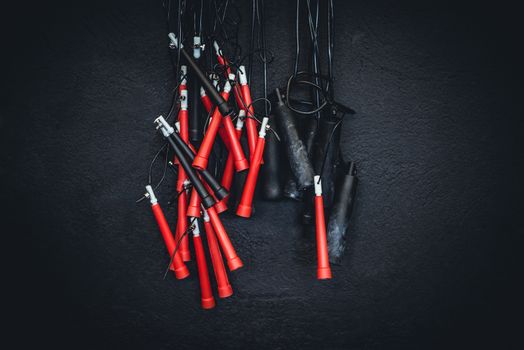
[{"x": 431, "y": 247}]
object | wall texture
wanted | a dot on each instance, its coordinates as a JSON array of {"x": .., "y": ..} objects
[{"x": 431, "y": 244}]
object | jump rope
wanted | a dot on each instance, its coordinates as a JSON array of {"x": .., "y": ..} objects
[{"x": 204, "y": 138}]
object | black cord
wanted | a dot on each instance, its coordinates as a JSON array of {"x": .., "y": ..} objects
[
  {"x": 297, "y": 36},
  {"x": 189, "y": 229}
]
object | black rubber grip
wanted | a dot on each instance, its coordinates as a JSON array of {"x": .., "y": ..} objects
[
  {"x": 291, "y": 191},
  {"x": 341, "y": 213},
  {"x": 207, "y": 200},
  {"x": 219, "y": 191},
  {"x": 299, "y": 162},
  {"x": 195, "y": 111},
  {"x": 213, "y": 94}
]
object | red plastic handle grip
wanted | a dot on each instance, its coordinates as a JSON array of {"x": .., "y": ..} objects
[
  {"x": 323, "y": 269},
  {"x": 182, "y": 226},
  {"x": 208, "y": 301},
  {"x": 202, "y": 157},
  {"x": 245, "y": 207},
  {"x": 227, "y": 176},
  {"x": 180, "y": 268},
  {"x": 183, "y": 118},
  {"x": 206, "y": 101},
  {"x": 194, "y": 205},
  {"x": 234, "y": 146},
  {"x": 251, "y": 124},
  {"x": 223, "y": 135},
  {"x": 233, "y": 261},
  {"x": 224, "y": 287}
]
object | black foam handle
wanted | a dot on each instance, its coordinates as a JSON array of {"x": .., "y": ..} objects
[
  {"x": 195, "y": 120},
  {"x": 341, "y": 213},
  {"x": 207, "y": 200},
  {"x": 299, "y": 162},
  {"x": 309, "y": 133},
  {"x": 291, "y": 191},
  {"x": 271, "y": 172},
  {"x": 219, "y": 191},
  {"x": 213, "y": 94}
]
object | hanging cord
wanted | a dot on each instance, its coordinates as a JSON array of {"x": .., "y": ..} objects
[
  {"x": 327, "y": 146},
  {"x": 150, "y": 173},
  {"x": 189, "y": 229},
  {"x": 262, "y": 47},
  {"x": 297, "y": 36},
  {"x": 186, "y": 187},
  {"x": 313, "y": 29},
  {"x": 330, "y": 47}
]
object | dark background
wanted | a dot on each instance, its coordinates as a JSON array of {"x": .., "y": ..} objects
[{"x": 432, "y": 252}]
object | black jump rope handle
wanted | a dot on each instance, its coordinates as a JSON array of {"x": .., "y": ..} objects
[
  {"x": 299, "y": 162},
  {"x": 308, "y": 136},
  {"x": 207, "y": 200},
  {"x": 217, "y": 188},
  {"x": 195, "y": 123},
  {"x": 341, "y": 213},
  {"x": 214, "y": 95}
]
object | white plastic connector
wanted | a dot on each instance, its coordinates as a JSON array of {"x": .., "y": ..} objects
[
  {"x": 164, "y": 126},
  {"x": 217, "y": 48},
  {"x": 263, "y": 127},
  {"x": 183, "y": 75},
  {"x": 318, "y": 185},
  {"x": 196, "y": 229},
  {"x": 183, "y": 100},
  {"x": 197, "y": 48},
  {"x": 227, "y": 87},
  {"x": 152, "y": 197},
  {"x": 205, "y": 216},
  {"x": 174, "y": 41},
  {"x": 242, "y": 77},
  {"x": 202, "y": 92},
  {"x": 240, "y": 120}
]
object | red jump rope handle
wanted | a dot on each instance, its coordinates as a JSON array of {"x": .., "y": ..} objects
[
  {"x": 245, "y": 207},
  {"x": 229, "y": 169},
  {"x": 180, "y": 268},
  {"x": 182, "y": 177},
  {"x": 233, "y": 261},
  {"x": 182, "y": 226},
  {"x": 206, "y": 101},
  {"x": 224, "y": 287},
  {"x": 202, "y": 157},
  {"x": 251, "y": 124},
  {"x": 323, "y": 269},
  {"x": 234, "y": 146},
  {"x": 207, "y": 299},
  {"x": 207, "y": 105}
]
